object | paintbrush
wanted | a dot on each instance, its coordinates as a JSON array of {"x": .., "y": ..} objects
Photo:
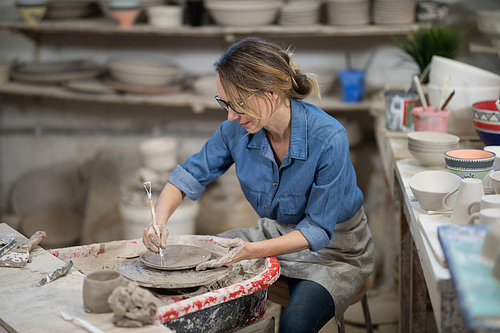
[{"x": 450, "y": 96}]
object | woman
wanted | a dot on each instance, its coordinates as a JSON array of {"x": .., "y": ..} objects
[{"x": 292, "y": 161}]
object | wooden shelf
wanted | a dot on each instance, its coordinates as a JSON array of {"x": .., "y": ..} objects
[
  {"x": 197, "y": 103},
  {"x": 108, "y": 27}
]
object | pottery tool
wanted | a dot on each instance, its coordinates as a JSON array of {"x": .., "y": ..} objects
[
  {"x": 420, "y": 92},
  {"x": 147, "y": 187},
  {"x": 497, "y": 103},
  {"x": 421, "y": 77},
  {"x": 88, "y": 326},
  {"x": 434, "y": 212},
  {"x": 444, "y": 91},
  {"x": 18, "y": 256},
  {"x": 56, "y": 274},
  {"x": 8, "y": 241},
  {"x": 450, "y": 96}
]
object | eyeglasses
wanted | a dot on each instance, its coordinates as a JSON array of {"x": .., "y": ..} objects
[{"x": 226, "y": 105}]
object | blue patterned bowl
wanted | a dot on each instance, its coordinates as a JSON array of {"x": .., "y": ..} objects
[{"x": 487, "y": 122}]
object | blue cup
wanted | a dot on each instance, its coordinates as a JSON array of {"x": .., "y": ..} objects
[{"x": 353, "y": 85}]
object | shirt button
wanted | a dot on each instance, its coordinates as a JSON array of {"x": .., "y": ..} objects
[
  {"x": 274, "y": 183},
  {"x": 265, "y": 206}
]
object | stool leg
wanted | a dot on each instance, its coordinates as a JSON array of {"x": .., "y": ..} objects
[
  {"x": 340, "y": 325},
  {"x": 366, "y": 312}
]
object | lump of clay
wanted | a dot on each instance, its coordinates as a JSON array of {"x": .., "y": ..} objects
[{"x": 132, "y": 306}]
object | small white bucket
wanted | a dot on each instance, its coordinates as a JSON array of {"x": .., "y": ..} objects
[
  {"x": 136, "y": 218},
  {"x": 159, "y": 154}
]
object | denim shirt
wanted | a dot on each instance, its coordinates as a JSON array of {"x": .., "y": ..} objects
[{"x": 314, "y": 188}]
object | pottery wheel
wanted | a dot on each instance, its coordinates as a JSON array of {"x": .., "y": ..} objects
[
  {"x": 135, "y": 270},
  {"x": 176, "y": 257}
]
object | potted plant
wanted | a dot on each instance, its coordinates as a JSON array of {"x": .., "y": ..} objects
[{"x": 441, "y": 40}]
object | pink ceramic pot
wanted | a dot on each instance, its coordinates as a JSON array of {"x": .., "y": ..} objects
[{"x": 124, "y": 16}]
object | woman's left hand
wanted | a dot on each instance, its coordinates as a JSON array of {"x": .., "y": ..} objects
[{"x": 235, "y": 246}]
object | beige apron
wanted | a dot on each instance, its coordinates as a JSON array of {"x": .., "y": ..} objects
[{"x": 342, "y": 267}]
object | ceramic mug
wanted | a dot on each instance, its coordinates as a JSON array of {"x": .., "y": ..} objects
[
  {"x": 97, "y": 286},
  {"x": 488, "y": 216},
  {"x": 491, "y": 242},
  {"x": 470, "y": 189},
  {"x": 495, "y": 180},
  {"x": 486, "y": 201}
]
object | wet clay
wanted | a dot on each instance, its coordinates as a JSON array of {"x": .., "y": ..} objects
[
  {"x": 176, "y": 257},
  {"x": 135, "y": 270},
  {"x": 97, "y": 286},
  {"x": 133, "y": 306}
]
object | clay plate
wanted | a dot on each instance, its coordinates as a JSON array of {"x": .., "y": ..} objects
[
  {"x": 135, "y": 270},
  {"x": 176, "y": 257}
]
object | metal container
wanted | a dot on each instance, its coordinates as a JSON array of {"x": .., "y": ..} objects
[{"x": 399, "y": 105}]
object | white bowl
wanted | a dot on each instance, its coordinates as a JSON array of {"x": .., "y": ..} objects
[
  {"x": 243, "y": 13},
  {"x": 430, "y": 187},
  {"x": 460, "y": 121},
  {"x": 152, "y": 73},
  {"x": 432, "y": 138},
  {"x": 165, "y": 16},
  {"x": 496, "y": 150},
  {"x": 432, "y": 158},
  {"x": 462, "y": 75},
  {"x": 159, "y": 154}
]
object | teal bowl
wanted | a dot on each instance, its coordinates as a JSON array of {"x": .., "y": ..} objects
[{"x": 466, "y": 161}]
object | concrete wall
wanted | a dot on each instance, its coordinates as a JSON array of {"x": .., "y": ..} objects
[{"x": 37, "y": 132}]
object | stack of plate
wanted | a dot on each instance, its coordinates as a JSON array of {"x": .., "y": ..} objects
[
  {"x": 394, "y": 12},
  {"x": 300, "y": 13},
  {"x": 56, "y": 72},
  {"x": 428, "y": 147},
  {"x": 60, "y": 9},
  {"x": 348, "y": 12}
]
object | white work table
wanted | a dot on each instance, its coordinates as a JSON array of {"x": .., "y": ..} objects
[
  {"x": 422, "y": 268},
  {"x": 27, "y": 308}
]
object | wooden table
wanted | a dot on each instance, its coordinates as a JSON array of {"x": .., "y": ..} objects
[
  {"x": 422, "y": 268},
  {"x": 26, "y": 308}
]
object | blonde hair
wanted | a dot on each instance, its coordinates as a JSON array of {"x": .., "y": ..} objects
[{"x": 254, "y": 67}]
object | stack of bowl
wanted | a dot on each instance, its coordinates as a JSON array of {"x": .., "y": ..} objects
[
  {"x": 243, "y": 13},
  {"x": 63, "y": 9},
  {"x": 393, "y": 12},
  {"x": 487, "y": 122},
  {"x": 464, "y": 162},
  {"x": 348, "y": 12},
  {"x": 471, "y": 85},
  {"x": 143, "y": 72},
  {"x": 300, "y": 13},
  {"x": 428, "y": 147}
]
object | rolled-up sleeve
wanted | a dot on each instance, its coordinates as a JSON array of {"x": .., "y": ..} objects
[
  {"x": 185, "y": 182},
  {"x": 315, "y": 235}
]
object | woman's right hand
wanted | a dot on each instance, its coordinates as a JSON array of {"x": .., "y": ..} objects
[{"x": 151, "y": 240}]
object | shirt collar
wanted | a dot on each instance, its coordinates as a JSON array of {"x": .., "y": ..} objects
[{"x": 298, "y": 136}]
